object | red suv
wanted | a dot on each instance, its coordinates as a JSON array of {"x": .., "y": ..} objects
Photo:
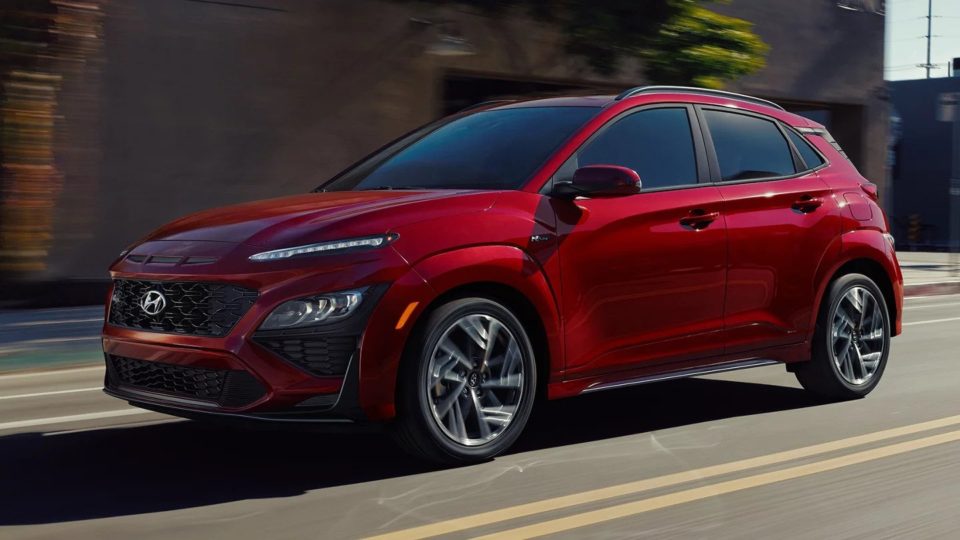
[{"x": 512, "y": 252}]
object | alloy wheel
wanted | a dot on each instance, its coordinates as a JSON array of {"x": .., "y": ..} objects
[
  {"x": 475, "y": 379},
  {"x": 857, "y": 336}
]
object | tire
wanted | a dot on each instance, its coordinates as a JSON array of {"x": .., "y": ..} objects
[
  {"x": 835, "y": 370},
  {"x": 432, "y": 380}
]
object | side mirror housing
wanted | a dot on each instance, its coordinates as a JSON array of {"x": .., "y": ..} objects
[{"x": 600, "y": 181}]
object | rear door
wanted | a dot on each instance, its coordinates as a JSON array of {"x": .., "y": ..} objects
[{"x": 781, "y": 221}]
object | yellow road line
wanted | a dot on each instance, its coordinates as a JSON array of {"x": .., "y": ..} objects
[
  {"x": 689, "y": 495},
  {"x": 632, "y": 488}
]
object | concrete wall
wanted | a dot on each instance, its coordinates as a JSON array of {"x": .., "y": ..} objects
[{"x": 204, "y": 104}]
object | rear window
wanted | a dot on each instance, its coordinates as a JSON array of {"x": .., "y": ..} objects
[{"x": 748, "y": 147}]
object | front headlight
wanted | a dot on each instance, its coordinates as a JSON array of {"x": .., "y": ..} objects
[
  {"x": 314, "y": 310},
  {"x": 352, "y": 244}
]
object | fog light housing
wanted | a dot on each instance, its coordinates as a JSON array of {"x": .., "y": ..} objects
[{"x": 314, "y": 310}]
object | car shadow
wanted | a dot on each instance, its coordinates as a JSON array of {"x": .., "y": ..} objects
[{"x": 153, "y": 468}]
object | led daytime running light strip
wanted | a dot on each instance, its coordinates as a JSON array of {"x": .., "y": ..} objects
[{"x": 324, "y": 247}]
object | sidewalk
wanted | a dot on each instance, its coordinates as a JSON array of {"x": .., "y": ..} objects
[
  {"x": 930, "y": 273},
  {"x": 45, "y": 338}
]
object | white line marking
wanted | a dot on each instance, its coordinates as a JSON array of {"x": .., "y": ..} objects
[
  {"x": 930, "y": 297},
  {"x": 924, "y": 306},
  {"x": 54, "y": 393},
  {"x": 51, "y": 372},
  {"x": 61, "y": 321},
  {"x": 945, "y": 282},
  {"x": 72, "y": 418},
  {"x": 931, "y": 322},
  {"x": 44, "y": 341},
  {"x": 16, "y": 346}
]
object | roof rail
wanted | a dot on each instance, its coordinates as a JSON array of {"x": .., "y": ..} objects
[{"x": 693, "y": 90}]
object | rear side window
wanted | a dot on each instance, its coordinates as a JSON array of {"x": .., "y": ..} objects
[
  {"x": 748, "y": 147},
  {"x": 810, "y": 156},
  {"x": 657, "y": 143}
]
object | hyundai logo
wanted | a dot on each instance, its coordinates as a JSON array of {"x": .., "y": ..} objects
[{"x": 153, "y": 302}]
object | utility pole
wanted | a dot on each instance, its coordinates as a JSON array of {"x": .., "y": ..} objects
[
  {"x": 955, "y": 191},
  {"x": 929, "y": 33}
]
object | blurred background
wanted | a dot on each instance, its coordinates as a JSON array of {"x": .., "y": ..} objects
[
  {"x": 120, "y": 115},
  {"x": 117, "y": 116}
]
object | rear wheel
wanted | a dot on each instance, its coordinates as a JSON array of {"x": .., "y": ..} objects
[
  {"x": 851, "y": 342},
  {"x": 467, "y": 383}
]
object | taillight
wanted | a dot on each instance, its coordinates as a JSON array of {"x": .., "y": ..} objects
[{"x": 871, "y": 190}]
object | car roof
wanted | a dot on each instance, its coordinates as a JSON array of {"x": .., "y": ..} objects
[{"x": 659, "y": 95}]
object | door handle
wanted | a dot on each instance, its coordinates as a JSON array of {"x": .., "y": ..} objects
[
  {"x": 699, "y": 219},
  {"x": 806, "y": 204}
]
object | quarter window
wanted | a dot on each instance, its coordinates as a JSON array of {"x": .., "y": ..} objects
[
  {"x": 748, "y": 147},
  {"x": 810, "y": 156},
  {"x": 657, "y": 143}
]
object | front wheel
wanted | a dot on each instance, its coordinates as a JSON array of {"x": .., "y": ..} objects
[
  {"x": 851, "y": 341},
  {"x": 467, "y": 383}
]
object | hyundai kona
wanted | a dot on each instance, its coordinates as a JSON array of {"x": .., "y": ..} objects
[{"x": 515, "y": 252}]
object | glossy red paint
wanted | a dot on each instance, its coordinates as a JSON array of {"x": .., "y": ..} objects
[
  {"x": 638, "y": 285},
  {"x": 611, "y": 288},
  {"x": 775, "y": 245}
]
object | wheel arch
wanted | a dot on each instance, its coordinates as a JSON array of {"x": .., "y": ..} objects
[
  {"x": 874, "y": 270},
  {"x": 510, "y": 276},
  {"x": 518, "y": 303}
]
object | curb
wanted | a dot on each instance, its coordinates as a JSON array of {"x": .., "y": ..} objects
[{"x": 932, "y": 289}]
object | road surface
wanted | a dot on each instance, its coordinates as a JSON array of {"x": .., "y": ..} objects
[{"x": 742, "y": 455}]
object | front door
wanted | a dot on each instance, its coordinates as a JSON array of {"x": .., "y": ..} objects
[{"x": 643, "y": 276}]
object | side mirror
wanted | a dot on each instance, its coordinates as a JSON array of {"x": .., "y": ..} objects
[{"x": 600, "y": 181}]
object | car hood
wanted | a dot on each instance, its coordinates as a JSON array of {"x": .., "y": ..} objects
[{"x": 309, "y": 217}]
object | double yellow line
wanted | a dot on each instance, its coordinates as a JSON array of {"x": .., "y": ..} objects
[{"x": 687, "y": 495}]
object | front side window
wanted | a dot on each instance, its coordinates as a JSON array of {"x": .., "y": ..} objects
[
  {"x": 496, "y": 149},
  {"x": 656, "y": 143},
  {"x": 748, "y": 147}
]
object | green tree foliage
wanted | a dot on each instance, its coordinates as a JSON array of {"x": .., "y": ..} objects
[
  {"x": 703, "y": 48},
  {"x": 679, "y": 41}
]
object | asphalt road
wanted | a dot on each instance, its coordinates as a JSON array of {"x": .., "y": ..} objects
[{"x": 742, "y": 455}]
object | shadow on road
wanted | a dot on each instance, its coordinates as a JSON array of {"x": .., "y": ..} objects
[{"x": 154, "y": 468}]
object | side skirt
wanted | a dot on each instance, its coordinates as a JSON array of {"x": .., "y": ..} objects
[{"x": 681, "y": 374}]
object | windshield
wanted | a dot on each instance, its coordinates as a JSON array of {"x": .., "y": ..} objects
[{"x": 498, "y": 149}]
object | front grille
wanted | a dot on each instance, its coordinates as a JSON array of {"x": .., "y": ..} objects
[
  {"x": 325, "y": 356},
  {"x": 230, "y": 388},
  {"x": 192, "y": 308}
]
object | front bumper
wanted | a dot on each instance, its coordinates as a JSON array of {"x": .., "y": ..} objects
[
  {"x": 159, "y": 370},
  {"x": 253, "y": 370},
  {"x": 248, "y": 401},
  {"x": 307, "y": 373}
]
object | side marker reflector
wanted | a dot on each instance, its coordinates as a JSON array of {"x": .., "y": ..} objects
[{"x": 406, "y": 314}]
